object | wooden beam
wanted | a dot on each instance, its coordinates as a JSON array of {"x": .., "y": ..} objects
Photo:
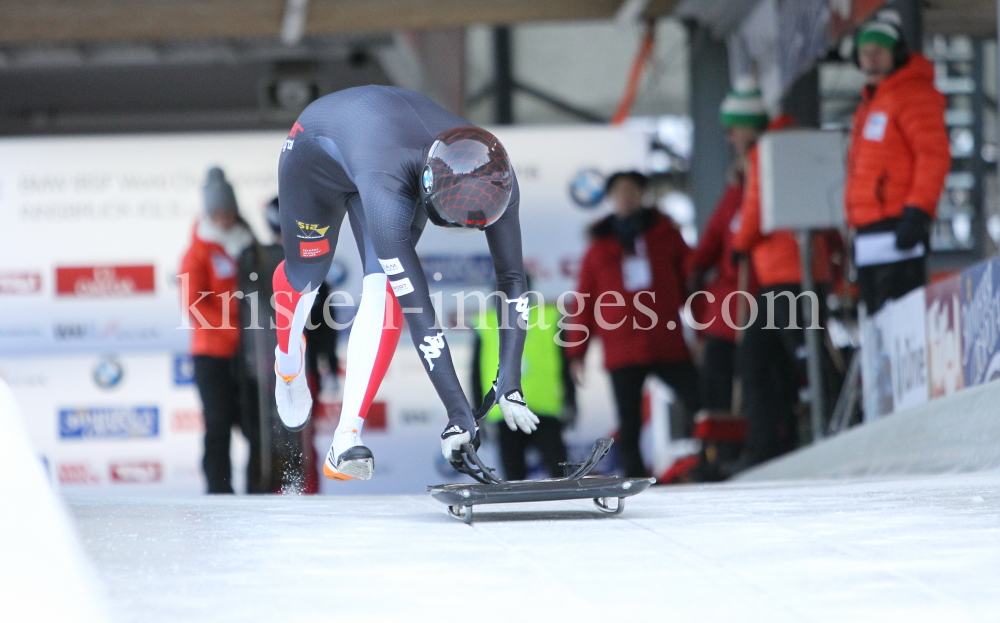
[
  {"x": 976, "y": 19},
  {"x": 953, "y": 17},
  {"x": 82, "y": 21},
  {"x": 328, "y": 16}
]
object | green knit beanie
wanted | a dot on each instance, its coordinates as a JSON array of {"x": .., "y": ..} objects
[
  {"x": 744, "y": 106},
  {"x": 879, "y": 32}
]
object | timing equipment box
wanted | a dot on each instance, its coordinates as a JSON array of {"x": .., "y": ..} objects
[{"x": 802, "y": 174}]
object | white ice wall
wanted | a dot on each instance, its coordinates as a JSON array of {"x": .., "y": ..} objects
[
  {"x": 43, "y": 573},
  {"x": 957, "y": 433}
]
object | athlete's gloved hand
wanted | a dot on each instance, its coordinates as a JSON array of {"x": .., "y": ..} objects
[
  {"x": 454, "y": 435},
  {"x": 516, "y": 413},
  {"x": 912, "y": 228}
]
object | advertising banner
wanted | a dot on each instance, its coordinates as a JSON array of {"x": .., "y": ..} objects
[
  {"x": 95, "y": 228},
  {"x": 981, "y": 322},
  {"x": 908, "y": 339},
  {"x": 116, "y": 423},
  {"x": 876, "y": 365},
  {"x": 944, "y": 337}
]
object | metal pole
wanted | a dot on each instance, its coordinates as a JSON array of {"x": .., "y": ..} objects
[
  {"x": 708, "y": 75},
  {"x": 976, "y": 163},
  {"x": 813, "y": 346},
  {"x": 503, "y": 93},
  {"x": 912, "y": 16},
  {"x": 802, "y": 100}
]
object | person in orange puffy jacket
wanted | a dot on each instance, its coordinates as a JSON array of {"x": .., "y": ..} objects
[
  {"x": 771, "y": 363},
  {"x": 743, "y": 116},
  {"x": 209, "y": 265},
  {"x": 897, "y": 163}
]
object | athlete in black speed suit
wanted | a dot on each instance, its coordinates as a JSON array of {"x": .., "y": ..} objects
[{"x": 390, "y": 159}]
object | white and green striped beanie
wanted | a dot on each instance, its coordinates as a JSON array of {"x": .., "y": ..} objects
[
  {"x": 744, "y": 106},
  {"x": 884, "y": 30}
]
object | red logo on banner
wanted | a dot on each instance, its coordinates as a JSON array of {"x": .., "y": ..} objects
[
  {"x": 76, "y": 474},
  {"x": 104, "y": 281},
  {"x": 187, "y": 421},
  {"x": 20, "y": 283},
  {"x": 139, "y": 472},
  {"x": 314, "y": 249}
]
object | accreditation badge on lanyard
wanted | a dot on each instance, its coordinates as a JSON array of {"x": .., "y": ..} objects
[{"x": 636, "y": 271}]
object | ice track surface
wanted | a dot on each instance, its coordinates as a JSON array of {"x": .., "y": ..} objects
[{"x": 918, "y": 549}]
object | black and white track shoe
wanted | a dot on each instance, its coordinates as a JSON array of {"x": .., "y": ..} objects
[{"x": 356, "y": 462}]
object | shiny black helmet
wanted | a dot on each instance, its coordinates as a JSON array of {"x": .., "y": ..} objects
[{"x": 466, "y": 179}]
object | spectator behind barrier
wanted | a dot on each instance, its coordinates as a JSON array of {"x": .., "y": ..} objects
[
  {"x": 897, "y": 163},
  {"x": 631, "y": 287},
  {"x": 209, "y": 265},
  {"x": 710, "y": 266},
  {"x": 770, "y": 363}
]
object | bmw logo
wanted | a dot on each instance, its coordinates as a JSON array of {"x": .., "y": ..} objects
[
  {"x": 587, "y": 188},
  {"x": 108, "y": 373},
  {"x": 428, "y": 179}
]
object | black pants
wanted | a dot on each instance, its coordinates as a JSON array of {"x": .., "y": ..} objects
[
  {"x": 716, "y": 374},
  {"x": 880, "y": 283},
  {"x": 627, "y": 382},
  {"x": 770, "y": 370},
  {"x": 547, "y": 438},
  {"x": 221, "y": 396}
]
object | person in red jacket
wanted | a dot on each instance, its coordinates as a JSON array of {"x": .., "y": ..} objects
[
  {"x": 743, "y": 116},
  {"x": 209, "y": 266},
  {"x": 897, "y": 163},
  {"x": 631, "y": 288},
  {"x": 770, "y": 362}
]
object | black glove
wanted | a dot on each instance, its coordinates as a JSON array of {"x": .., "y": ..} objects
[{"x": 912, "y": 228}]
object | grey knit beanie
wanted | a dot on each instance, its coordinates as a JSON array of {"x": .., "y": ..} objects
[{"x": 219, "y": 195}]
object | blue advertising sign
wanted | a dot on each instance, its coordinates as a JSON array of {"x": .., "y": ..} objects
[
  {"x": 109, "y": 422},
  {"x": 458, "y": 270},
  {"x": 981, "y": 322},
  {"x": 183, "y": 369}
]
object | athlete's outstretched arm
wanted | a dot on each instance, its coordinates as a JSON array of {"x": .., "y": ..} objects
[{"x": 504, "y": 239}]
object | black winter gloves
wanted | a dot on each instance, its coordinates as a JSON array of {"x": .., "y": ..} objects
[{"x": 912, "y": 228}]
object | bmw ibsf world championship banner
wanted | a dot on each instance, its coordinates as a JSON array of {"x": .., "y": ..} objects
[
  {"x": 94, "y": 231},
  {"x": 95, "y": 227}
]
